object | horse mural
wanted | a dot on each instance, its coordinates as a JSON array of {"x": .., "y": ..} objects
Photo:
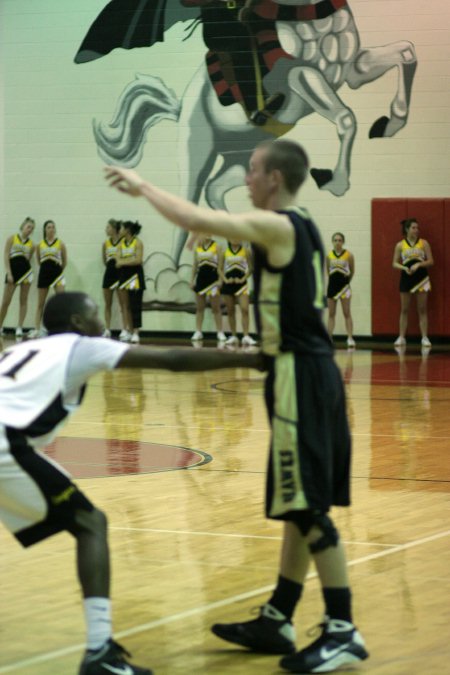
[{"x": 322, "y": 51}]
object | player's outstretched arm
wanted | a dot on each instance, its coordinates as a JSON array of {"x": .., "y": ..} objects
[
  {"x": 189, "y": 359},
  {"x": 262, "y": 227}
]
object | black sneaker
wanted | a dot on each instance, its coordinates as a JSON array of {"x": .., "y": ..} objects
[
  {"x": 339, "y": 645},
  {"x": 270, "y": 633},
  {"x": 110, "y": 659}
]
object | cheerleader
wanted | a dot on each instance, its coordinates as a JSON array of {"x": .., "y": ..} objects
[
  {"x": 111, "y": 274},
  {"x": 51, "y": 255},
  {"x": 18, "y": 252},
  {"x": 206, "y": 284},
  {"x": 340, "y": 269},
  {"x": 413, "y": 257},
  {"x": 234, "y": 271},
  {"x": 129, "y": 258}
]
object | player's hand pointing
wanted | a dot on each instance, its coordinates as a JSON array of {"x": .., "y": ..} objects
[{"x": 124, "y": 180}]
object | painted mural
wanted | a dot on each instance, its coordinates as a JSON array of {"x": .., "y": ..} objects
[{"x": 267, "y": 66}]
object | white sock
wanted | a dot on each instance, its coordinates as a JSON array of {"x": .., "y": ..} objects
[{"x": 98, "y": 621}]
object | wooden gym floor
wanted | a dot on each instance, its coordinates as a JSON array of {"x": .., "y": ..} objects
[{"x": 177, "y": 461}]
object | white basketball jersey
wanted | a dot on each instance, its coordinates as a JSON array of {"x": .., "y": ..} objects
[{"x": 42, "y": 381}]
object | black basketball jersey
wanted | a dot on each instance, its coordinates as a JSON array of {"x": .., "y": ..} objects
[{"x": 289, "y": 301}]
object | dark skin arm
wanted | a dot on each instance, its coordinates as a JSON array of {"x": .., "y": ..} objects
[{"x": 189, "y": 359}]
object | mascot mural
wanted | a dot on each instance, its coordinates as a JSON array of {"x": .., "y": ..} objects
[{"x": 269, "y": 64}]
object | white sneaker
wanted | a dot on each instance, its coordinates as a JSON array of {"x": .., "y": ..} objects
[
  {"x": 248, "y": 341},
  {"x": 351, "y": 343},
  {"x": 19, "y": 332},
  {"x": 198, "y": 335},
  {"x": 340, "y": 644},
  {"x": 33, "y": 333},
  {"x": 135, "y": 339},
  {"x": 106, "y": 333},
  {"x": 232, "y": 340},
  {"x": 2, "y": 332},
  {"x": 221, "y": 337},
  {"x": 400, "y": 342},
  {"x": 425, "y": 342},
  {"x": 124, "y": 336}
]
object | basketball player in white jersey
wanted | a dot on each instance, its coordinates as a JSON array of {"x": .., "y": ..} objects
[{"x": 41, "y": 383}]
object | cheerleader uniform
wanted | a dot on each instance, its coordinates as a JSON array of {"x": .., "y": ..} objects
[
  {"x": 51, "y": 273},
  {"x": 111, "y": 276},
  {"x": 19, "y": 260},
  {"x": 236, "y": 266},
  {"x": 339, "y": 275},
  {"x": 419, "y": 281},
  {"x": 131, "y": 278},
  {"x": 207, "y": 276}
]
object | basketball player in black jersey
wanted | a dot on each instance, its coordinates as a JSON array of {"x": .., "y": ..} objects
[{"x": 309, "y": 461}]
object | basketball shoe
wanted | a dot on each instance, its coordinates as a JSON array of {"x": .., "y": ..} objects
[
  {"x": 110, "y": 659},
  {"x": 270, "y": 633},
  {"x": 340, "y": 644}
]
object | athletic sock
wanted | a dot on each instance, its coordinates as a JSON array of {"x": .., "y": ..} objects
[
  {"x": 338, "y": 603},
  {"x": 286, "y": 596},
  {"x": 98, "y": 621}
]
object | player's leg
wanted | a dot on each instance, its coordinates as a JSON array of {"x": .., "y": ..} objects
[
  {"x": 37, "y": 500},
  {"x": 340, "y": 643}
]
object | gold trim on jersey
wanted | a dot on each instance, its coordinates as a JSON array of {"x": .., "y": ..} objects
[
  {"x": 288, "y": 492},
  {"x": 269, "y": 311}
]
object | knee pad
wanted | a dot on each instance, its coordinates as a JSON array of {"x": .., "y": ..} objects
[{"x": 330, "y": 535}]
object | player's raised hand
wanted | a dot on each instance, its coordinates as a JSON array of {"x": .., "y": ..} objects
[{"x": 124, "y": 180}]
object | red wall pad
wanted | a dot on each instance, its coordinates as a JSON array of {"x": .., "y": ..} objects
[
  {"x": 431, "y": 214},
  {"x": 445, "y": 252}
]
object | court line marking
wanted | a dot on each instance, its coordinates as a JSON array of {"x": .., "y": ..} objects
[
  {"x": 49, "y": 656},
  {"x": 231, "y": 535}
]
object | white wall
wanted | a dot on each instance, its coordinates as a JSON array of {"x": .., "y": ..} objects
[{"x": 52, "y": 170}]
